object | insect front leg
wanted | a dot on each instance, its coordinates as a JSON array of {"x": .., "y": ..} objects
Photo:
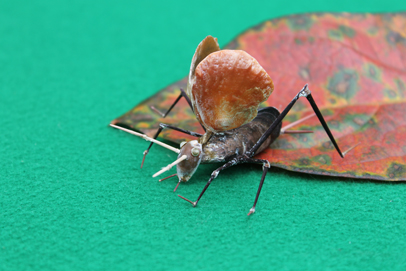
[
  {"x": 167, "y": 126},
  {"x": 214, "y": 175}
]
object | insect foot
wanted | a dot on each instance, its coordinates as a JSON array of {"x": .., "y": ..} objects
[
  {"x": 193, "y": 203},
  {"x": 252, "y": 210},
  {"x": 143, "y": 158}
]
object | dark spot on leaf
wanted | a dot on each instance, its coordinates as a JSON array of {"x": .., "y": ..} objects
[
  {"x": 323, "y": 159},
  {"x": 396, "y": 170},
  {"x": 372, "y": 72},
  {"x": 335, "y": 34},
  {"x": 394, "y": 38},
  {"x": 344, "y": 83},
  {"x": 400, "y": 84},
  {"x": 298, "y": 41},
  {"x": 391, "y": 94},
  {"x": 387, "y": 17},
  {"x": 304, "y": 162},
  {"x": 373, "y": 30},
  {"x": 341, "y": 32},
  {"x": 347, "y": 31},
  {"x": 371, "y": 122},
  {"x": 300, "y": 22},
  {"x": 333, "y": 123},
  {"x": 327, "y": 145}
]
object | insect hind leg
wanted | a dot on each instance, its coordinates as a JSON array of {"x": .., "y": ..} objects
[{"x": 305, "y": 92}]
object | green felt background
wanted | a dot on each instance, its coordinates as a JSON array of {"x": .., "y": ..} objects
[{"x": 72, "y": 196}]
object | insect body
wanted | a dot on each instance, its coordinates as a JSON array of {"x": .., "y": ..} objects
[
  {"x": 226, "y": 146},
  {"x": 224, "y": 91}
]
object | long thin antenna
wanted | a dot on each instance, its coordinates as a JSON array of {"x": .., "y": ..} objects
[
  {"x": 168, "y": 167},
  {"x": 297, "y": 132},
  {"x": 147, "y": 138},
  {"x": 296, "y": 122},
  {"x": 345, "y": 152}
]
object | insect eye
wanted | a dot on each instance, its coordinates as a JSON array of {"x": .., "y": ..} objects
[
  {"x": 195, "y": 152},
  {"x": 182, "y": 144}
]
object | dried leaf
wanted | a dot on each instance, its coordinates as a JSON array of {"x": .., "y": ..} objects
[
  {"x": 229, "y": 86},
  {"x": 355, "y": 65}
]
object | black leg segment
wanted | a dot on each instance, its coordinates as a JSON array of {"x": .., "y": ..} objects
[
  {"x": 214, "y": 175},
  {"x": 305, "y": 92},
  {"x": 182, "y": 94},
  {"x": 265, "y": 169},
  {"x": 323, "y": 122}
]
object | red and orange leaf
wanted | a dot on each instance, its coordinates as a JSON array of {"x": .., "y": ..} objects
[{"x": 355, "y": 65}]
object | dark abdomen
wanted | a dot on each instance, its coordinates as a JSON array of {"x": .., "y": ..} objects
[{"x": 227, "y": 145}]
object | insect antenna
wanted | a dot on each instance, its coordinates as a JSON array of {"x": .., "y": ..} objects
[
  {"x": 168, "y": 167},
  {"x": 297, "y": 132},
  {"x": 345, "y": 152},
  {"x": 147, "y": 138},
  {"x": 283, "y": 130}
]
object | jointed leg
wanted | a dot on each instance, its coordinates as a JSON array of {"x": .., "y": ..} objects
[
  {"x": 240, "y": 159},
  {"x": 305, "y": 92},
  {"x": 163, "y": 126},
  {"x": 182, "y": 94},
  {"x": 265, "y": 168},
  {"x": 214, "y": 175}
]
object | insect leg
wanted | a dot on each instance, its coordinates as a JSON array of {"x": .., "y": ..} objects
[
  {"x": 182, "y": 94},
  {"x": 163, "y": 126},
  {"x": 305, "y": 92},
  {"x": 323, "y": 122},
  {"x": 265, "y": 167},
  {"x": 214, "y": 175}
]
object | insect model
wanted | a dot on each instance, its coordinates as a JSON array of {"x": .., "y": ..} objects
[{"x": 224, "y": 90}]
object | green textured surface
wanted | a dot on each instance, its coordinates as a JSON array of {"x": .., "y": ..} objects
[{"x": 69, "y": 200}]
